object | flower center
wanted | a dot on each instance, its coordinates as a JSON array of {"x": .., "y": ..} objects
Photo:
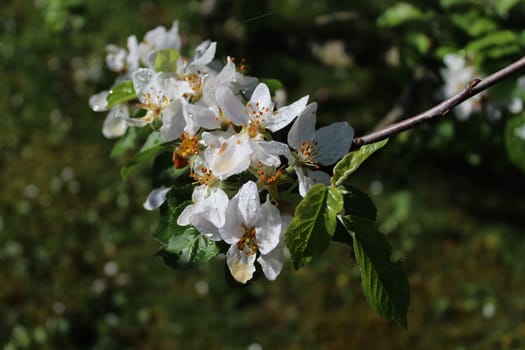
[
  {"x": 188, "y": 147},
  {"x": 195, "y": 82},
  {"x": 154, "y": 108},
  {"x": 247, "y": 243},
  {"x": 308, "y": 152},
  {"x": 256, "y": 127},
  {"x": 268, "y": 175},
  {"x": 205, "y": 177}
]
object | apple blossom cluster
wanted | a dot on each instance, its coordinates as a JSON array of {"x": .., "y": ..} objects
[{"x": 248, "y": 161}]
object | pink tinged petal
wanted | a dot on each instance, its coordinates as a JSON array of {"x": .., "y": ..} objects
[
  {"x": 231, "y": 105},
  {"x": 156, "y": 198},
  {"x": 272, "y": 263},
  {"x": 141, "y": 79},
  {"x": 334, "y": 142},
  {"x": 249, "y": 205},
  {"x": 261, "y": 96},
  {"x": 99, "y": 102},
  {"x": 241, "y": 266},
  {"x": 303, "y": 129},
  {"x": 268, "y": 228},
  {"x": 285, "y": 115},
  {"x": 114, "y": 125}
]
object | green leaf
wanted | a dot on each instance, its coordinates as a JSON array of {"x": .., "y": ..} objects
[
  {"x": 515, "y": 140},
  {"x": 385, "y": 284},
  {"x": 398, "y": 14},
  {"x": 313, "y": 225},
  {"x": 356, "y": 204},
  {"x": 121, "y": 93},
  {"x": 125, "y": 143},
  {"x": 192, "y": 247},
  {"x": 450, "y": 3},
  {"x": 166, "y": 60},
  {"x": 498, "y": 38},
  {"x": 164, "y": 173},
  {"x": 420, "y": 41},
  {"x": 474, "y": 23},
  {"x": 350, "y": 162},
  {"x": 154, "y": 140},
  {"x": 151, "y": 148},
  {"x": 189, "y": 245},
  {"x": 503, "y": 6},
  {"x": 176, "y": 200}
]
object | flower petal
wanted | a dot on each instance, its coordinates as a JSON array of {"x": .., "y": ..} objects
[
  {"x": 233, "y": 228},
  {"x": 268, "y": 152},
  {"x": 200, "y": 117},
  {"x": 206, "y": 228},
  {"x": 309, "y": 179},
  {"x": 141, "y": 78},
  {"x": 303, "y": 129},
  {"x": 115, "y": 124},
  {"x": 285, "y": 115},
  {"x": 204, "y": 53},
  {"x": 261, "y": 96},
  {"x": 268, "y": 227},
  {"x": 249, "y": 204},
  {"x": 231, "y": 105},
  {"x": 334, "y": 142},
  {"x": 272, "y": 263},
  {"x": 214, "y": 207},
  {"x": 231, "y": 157},
  {"x": 173, "y": 122},
  {"x": 99, "y": 102},
  {"x": 156, "y": 198},
  {"x": 241, "y": 266}
]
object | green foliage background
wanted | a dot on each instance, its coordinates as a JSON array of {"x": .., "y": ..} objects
[{"x": 77, "y": 258}]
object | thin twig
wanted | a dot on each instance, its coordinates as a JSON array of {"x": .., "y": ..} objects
[{"x": 474, "y": 87}]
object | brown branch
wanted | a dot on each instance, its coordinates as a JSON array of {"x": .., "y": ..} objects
[{"x": 474, "y": 87}]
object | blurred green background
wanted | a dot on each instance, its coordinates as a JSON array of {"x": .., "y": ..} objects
[{"x": 77, "y": 261}]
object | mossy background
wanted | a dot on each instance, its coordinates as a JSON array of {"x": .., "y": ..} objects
[{"x": 77, "y": 261}]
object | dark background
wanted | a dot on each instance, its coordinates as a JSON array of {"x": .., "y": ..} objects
[{"x": 77, "y": 261}]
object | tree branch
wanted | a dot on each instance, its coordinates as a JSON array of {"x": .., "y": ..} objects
[{"x": 474, "y": 87}]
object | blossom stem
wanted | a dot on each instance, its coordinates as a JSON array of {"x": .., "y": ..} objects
[{"x": 442, "y": 109}]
